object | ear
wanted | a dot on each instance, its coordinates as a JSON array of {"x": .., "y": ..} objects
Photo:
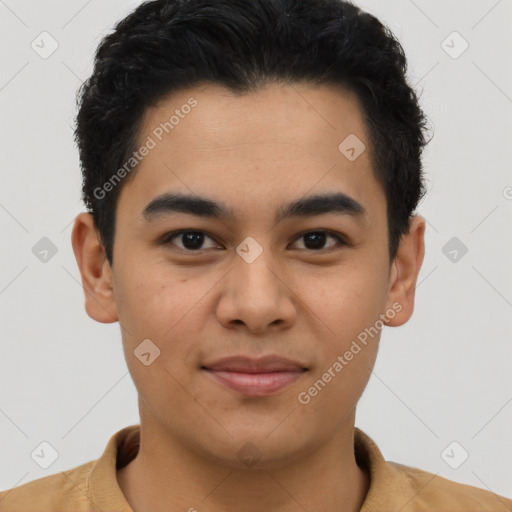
[
  {"x": 404, "y": 272},
  {"x": 97, "y": 279}
]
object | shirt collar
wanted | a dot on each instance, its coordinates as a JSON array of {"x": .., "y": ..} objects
[
  {"x": 387, "y": 483},
  {"x": 103, "y": 486}
]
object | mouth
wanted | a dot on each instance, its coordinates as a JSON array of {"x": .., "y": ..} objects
[{"x": 255, "y": 377}]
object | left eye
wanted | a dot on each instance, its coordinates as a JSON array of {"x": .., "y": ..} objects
[
  {"x": 193, "y": 240},
  {"x": 315, "y": 240}
]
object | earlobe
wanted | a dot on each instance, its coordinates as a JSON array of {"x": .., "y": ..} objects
[
  {"x": 95, "y": 270},
  {"x": 404, "y": 275}
]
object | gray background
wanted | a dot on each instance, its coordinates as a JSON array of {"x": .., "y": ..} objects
[{"x": 443, "y": 377}]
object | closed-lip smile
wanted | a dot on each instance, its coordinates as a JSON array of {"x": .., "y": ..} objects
[{"x": 255, "y": 376}]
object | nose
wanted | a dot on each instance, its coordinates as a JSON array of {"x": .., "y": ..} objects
[{"x": 256, "y": 297}]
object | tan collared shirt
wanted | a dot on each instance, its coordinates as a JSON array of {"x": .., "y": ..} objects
[{"x": 394, "y": 487}]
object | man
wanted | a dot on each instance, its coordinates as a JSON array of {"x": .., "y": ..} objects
[{"x": 251, "y": 171}]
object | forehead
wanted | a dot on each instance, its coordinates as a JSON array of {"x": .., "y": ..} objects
[
  {"x": 254, "y": 149},
  {"x": 291, "y": 114}
]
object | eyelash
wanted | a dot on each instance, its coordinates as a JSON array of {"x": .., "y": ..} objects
[{"x": 166, "y": 240}]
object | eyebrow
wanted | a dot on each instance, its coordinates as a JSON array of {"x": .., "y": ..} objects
[{"x": 169, "y": 203}]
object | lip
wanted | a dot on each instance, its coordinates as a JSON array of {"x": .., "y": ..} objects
[{"x": 255, "y": 377}]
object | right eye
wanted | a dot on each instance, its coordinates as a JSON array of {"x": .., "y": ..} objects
[{"x": 191, "y": 241}]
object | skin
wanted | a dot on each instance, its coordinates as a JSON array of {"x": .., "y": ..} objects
[{"x": 253, "y": 152}]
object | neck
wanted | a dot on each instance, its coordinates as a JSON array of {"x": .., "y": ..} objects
[{"x": 166, "y": 476}]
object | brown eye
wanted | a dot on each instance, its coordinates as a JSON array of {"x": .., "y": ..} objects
[
  {"x": 190, "y": 240},
  {"x": 316, "y": 240}
]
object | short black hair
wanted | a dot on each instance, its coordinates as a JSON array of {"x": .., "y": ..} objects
[{"x": 169, "y": 45}]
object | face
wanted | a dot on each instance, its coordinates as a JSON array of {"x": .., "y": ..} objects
[{"x": 267, "y": 274}]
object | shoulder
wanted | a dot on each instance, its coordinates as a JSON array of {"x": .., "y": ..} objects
[
  {"x": 395, "y": 486},
  {"x": 429, "y": 491},
  {"x": 62, "y": 492}
]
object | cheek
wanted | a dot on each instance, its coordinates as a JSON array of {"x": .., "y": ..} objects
[
  {"x": 161, "y": 309},
  {"x": 166, "y": 308},
  {"x": 151, "y": 297},
  {"x": 348, "y": 301},
  {"x": 350, "y": 307}
]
